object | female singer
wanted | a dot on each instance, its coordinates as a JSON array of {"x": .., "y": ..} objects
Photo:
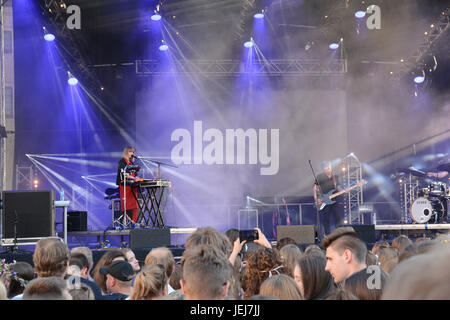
[{"x": 131, "y": 203}]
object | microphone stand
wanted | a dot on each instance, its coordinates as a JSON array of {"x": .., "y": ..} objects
[
  {"x": 320, "y": 189},
  {"x": 124, "y": 197}
]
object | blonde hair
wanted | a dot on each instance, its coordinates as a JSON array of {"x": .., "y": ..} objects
[
  {"x": 126, "y": 150},
  {"x": 149, "y": 283},
  {"x": 281, "y": 286}
]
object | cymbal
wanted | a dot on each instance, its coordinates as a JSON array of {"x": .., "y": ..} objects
[
  {"x": 444, "y": 167},
  {"x": 413, "y": 171}
]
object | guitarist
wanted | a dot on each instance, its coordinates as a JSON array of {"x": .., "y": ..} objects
[{"x": 326, "y": 182}]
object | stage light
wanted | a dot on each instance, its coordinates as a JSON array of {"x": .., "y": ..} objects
[
  {"x": 258, "y": 15},
  {"x": 333, "y": 46},
  {"x": 360, "y": 14},
  {"x": 419, "y": 79},
  {"x": 49, "y": 37},
  {"x": 249, "y": 44},
  {"x": 156, "y": 16},
  {"x": 72, "y": 81},
  {"x": 163, "y": 47}
]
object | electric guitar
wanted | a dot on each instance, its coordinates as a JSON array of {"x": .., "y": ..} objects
[{"x": 327, "y": 198}]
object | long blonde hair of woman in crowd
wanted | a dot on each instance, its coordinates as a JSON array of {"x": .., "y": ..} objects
[{"x": 150, "y": 283}]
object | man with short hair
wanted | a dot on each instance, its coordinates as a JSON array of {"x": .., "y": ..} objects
[
  {"x": 118, "y": 280},
  {"x": 79, "y": 274},
  {"x": 88, "y": 253},
  {"x": 47, "y": 288},
  {"x": 206, "y": 273},
  {"x": 345, "y": 253},
  {"x": 164, "y": 256}
]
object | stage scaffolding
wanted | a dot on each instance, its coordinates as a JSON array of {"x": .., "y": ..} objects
[
  {"x": 352, "y": 175},
  {"x": 277, "y": 67},
  {"x": 409, "y": 191}
]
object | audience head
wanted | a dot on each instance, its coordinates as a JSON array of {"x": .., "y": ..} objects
[
  {"x": 47, "y": 288},
  {"x": 118, "y": 277},
  {"x": 371, "y": 259},
  {"x": 285, "y": 241},
  {"x": 131, "y": 258},
  {"x": 150, "y": 283},
  {"x": 263, "y": 297},
  {"x": 281, "y": 286},
  {"x": 232, "y": 235},
  {"x": 345, "y": 253},
  {"x": 387, "y": 258},
  {"x": 163, "y": 256},
  {"x": 311, "y": 277},
  {"x": 88, "y": 253},
  {"x": 313, "y": 248},
  {"x": 206, "y": 273},
  {"x": 16, "y": 279},
  {"x": 379, "y": 244},
  {"x": 106, "y": 259},
  {"x": 407, "y": 252},
  {"x": 81, "y": 292},
  {"x": 176, "y": 276},
  {"x": 367, "y": 284},
  {"x": 289, "y": 254},
  {"x": 211, "y": 237},
  {"x": 51, "y": 258},
  {"x": 78, "y": 265},
  {"x": 340, "y": 294},
  {"x": 401, "y": 242},
  {"x": 421, "y": 277},
  {"x": 261, "y": 264}
]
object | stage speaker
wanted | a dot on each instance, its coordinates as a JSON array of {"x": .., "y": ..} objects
[
  {"x": 301, "y": 234},
  {"x": 76, "y": 221},
  {"x": 365, "y": 231},
  {"x": 31, "y": 212},
  {"x": 149, "y": 238}
]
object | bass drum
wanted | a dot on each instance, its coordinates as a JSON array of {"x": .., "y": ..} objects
[{"x": 423, "y": 210}]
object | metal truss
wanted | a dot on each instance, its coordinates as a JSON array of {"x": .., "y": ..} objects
[
  {"x": 235, "y": 67},
  {"x": 416, "y": 59},
  {"x": 352, "y": 175},
  {"x": 24, "y": 178},
  {"x": 409, "y": 191}
]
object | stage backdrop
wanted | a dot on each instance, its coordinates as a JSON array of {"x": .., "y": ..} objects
[{"x": 200, "y": 133}]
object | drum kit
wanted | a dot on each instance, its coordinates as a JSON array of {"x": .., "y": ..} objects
[{"x": 431, "y": 204}]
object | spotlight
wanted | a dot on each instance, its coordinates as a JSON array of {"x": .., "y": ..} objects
[
  {"x": 419, "y": 79},
  {"x": 163, "y": 47},
  {"x": 72, "y": 80},
  {"x": 249, "y": 44},
  {"x": 49, "y": 37},
  {"x": 333, "y": 46},
  {"x": 360, "y": 14},
  {"x": 156, "y": 16},
  {"x": 258, "y": 15}
]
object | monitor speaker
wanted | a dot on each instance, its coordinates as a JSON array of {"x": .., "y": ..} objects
[
  {"x": 76, "y": 221},
  {"x": 30, "y": 213},
  {"x": 149, "y": 238},
  {"x": 301, "y": 234},
  {"x": 365, "y": 231}
]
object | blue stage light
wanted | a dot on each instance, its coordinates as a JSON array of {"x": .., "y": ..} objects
[
  {"x": 334, "y": 46},
  {"x": 49, "y": 37},
  {"x": 419, "y": 79},
  {"x": 72, "y": 81},
  {"x": 163, "y": 47},
  {"x": 248, "y": 44},
  {"x": 258, "y": 15},
  {"x": 155, "y": 17},
  {"x": 360, "y": 14}
]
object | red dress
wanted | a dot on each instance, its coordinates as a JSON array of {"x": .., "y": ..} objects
[{"x": 131, "y": 203}]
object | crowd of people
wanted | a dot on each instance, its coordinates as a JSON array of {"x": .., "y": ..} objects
[{"x": 216, "y": 265}]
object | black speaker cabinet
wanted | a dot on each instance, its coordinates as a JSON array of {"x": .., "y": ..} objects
[
  {"x": 301, "y": 234},
  {"x": 31, "y": 212},
  {"x": 76, "y": 221},
  {"x": 149, "y": 238},
  {"x": 365, "y": 231}
]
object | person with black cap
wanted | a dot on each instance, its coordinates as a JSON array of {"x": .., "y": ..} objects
[{"x": 118, "y": 280}]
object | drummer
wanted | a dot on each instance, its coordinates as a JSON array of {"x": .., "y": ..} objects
[{"x": 440, "y": 175}]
